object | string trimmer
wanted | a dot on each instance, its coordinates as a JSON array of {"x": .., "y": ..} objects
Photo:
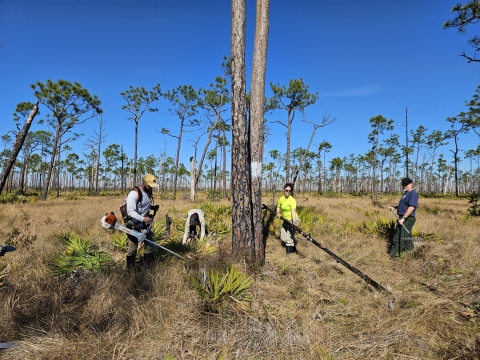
[{"x": 109, "y": 221}]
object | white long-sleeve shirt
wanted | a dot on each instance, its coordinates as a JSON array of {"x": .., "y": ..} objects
[
  {"x": 201, "y": 218},
  {"x": 137, "y": 210}
]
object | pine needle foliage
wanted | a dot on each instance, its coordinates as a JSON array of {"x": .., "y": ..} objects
[
  {"x": 215, "y": 288},
  {"x": 80, "y": 254}
]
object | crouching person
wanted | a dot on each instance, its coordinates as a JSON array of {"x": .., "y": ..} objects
[
  {"x": 195, "y": 218},
  {"x": 138, "y": 211}
]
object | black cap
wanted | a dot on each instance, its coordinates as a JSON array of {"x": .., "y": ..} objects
[{"x": 406, "y": 181}]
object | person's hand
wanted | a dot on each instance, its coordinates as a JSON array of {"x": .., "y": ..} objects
[
  {"x": 278, "y": 215},
  {"x": 392, "y": 207},
  {"x": 147, "y": 219},
  {"x": 296, "y": 222},
  {"x": 155, "y": 207}
]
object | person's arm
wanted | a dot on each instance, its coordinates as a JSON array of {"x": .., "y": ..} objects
[
  {"x": 201, "y": 217},
  {"x": 293, "y": 205},
  {"x": 279, "y": 209},
  {"x": 294, "y": 216},
  {"x": 406, "y": 215},
  {"x": 187, "y": 230},
  {"x": 132, "y": 206}
]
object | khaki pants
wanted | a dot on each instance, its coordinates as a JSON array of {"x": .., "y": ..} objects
[
  {"x": 287, "y": 234},
  {"x": 133, "y": 241}
]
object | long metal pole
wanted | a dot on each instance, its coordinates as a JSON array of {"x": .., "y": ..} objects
[
  {"x": 398, "y": 219},
  {"x": 353, "y": 269}
]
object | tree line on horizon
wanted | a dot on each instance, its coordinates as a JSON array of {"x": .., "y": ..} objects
[
  {"x": 69, "y": 104},
  {"x": 47, "y": 158}
]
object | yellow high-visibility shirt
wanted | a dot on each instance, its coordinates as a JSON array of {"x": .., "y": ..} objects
[{"x": 286, "y": 205}]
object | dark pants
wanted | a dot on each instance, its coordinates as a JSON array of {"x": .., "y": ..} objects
[
  {"x": 402, "y": 240},
  {"x": 193, "y": 231}
]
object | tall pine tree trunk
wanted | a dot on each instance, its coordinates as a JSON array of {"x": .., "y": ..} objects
[
  {"x": 17, "y": 146},
  {"x": 257, "y": 96},
  {"x": 48, "y": 178},
  {"x": 242, "y": 231}
]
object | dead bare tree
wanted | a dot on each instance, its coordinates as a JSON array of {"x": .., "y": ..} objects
[{"x": 325, "y": 121}]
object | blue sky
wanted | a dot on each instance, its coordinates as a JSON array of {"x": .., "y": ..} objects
[{"x": 364, "y": 58}]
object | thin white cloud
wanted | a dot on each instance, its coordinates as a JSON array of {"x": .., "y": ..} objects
[{"x": 355, "y": 92}]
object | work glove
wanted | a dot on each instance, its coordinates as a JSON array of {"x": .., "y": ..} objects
[
  {"x": 147, "y": 220},
  {"x": 296, "y": 222},
  {"x": 154, "y": 207}
]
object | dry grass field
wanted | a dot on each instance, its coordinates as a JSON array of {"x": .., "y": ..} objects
[{"x": 305, "y": 306}]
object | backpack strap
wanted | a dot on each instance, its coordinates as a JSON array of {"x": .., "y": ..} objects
[{"x": 139, "y": 192}]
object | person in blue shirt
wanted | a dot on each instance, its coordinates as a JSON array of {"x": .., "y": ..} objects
[{"x": 406, "y": 211}]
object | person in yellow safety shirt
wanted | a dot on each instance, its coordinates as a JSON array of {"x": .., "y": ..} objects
[{"x": 287, "y": 208}]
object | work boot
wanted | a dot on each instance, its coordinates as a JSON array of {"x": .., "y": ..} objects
[
  {"x": 291, "y": 250},
  {"x": 148, "y": 259},
  {"x": 131, "y": 262}
]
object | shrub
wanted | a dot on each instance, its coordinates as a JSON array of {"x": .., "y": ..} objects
[
  {"x": 214, "y": 195},
  {"x": 216, "y": 288},
  {"x": 474, "y": 208},
  {"x": 119, "y": 240},
  {"x": 80, "y": 254},
  {"x": 17, "y": 197},
  {"x": 380, "y": 227},
  {"x": 219, "y": 219}
]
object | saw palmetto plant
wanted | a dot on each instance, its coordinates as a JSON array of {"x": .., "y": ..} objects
[
  {"x": 79, "y": 254},
  {"x": 119, "y": 240},
  {"x": 219, "y": 219},
  {"x": 215, "y": 287},
  {"x": 384, "y": 228}
]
